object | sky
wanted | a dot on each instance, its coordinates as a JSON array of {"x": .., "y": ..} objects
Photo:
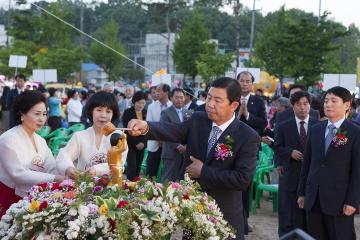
[{"x": 344, "y": 11}]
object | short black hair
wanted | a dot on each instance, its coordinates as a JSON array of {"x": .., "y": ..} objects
[
  {"x": 245, "y": 72},
  {"x": 301, "y": 86},
  {"x": 71, "y": 93},
  {"x": 52, "y": 91},
  {"x": 177, "y": 90},
  {"x": 151, "y": 88},
  {"x": 20, "y": 75},
  {"x": 139, "y": 95},
  {"x": 298, "y": 95},
  {"x": 340, "y": 92},
  {"x": 25, "y": 101},
  {"x": 165, "y": 88},
  {"x": 231, "y": 86},
  {"x": 102, "y": 99}
]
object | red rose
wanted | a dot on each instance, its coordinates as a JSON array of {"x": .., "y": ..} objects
[
  {"x": 185, "y": 195},
  {"x": 112, "y": 224},
  {"x": 136, "y": 179},
  {"x": 341, "y": 136},
  {"x": 122, "y": 204},
  {"x": 55, "y": 186},
  {"x": 43, "y": 186},
  {"x": 43, "y": 205},
  {"x": 103, "y": 181}
]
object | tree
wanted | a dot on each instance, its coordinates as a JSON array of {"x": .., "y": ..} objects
[
  {"x": 189, "y": 44},
  {"x": 212, "y": 64},
  {"x": 112, "y": 62},
  {"x": 296, "y": 46}
]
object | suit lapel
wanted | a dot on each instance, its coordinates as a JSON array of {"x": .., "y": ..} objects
[
  {"x": 320, "y": 135},
  {"x": 250, "y": 104},
  {"x": 174, "y": 114},
  {"x": 295, "y": 131},
  {"x": 221, "y": 139},
  {"x": 205, "y": 130}
]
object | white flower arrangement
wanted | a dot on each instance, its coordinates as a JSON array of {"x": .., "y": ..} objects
[{"x": 89, "y": 209}]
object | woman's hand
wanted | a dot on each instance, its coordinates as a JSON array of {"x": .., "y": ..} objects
[{"x": 72, "y": 173}]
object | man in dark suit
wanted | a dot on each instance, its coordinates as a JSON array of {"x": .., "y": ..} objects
[
  {"x": 289, "y": 113},
  {"x": 252, "y": 107},
  {"x": 173, "y": 153},
  {"x": 329, "y": 182},
  {"x": 19, "y": 88},
  {"x": 289, "y": 148},
  {"x": 252, "y": 112},
  {"x": 190, "y": 102},
  {"x": 224, "y": 178}
]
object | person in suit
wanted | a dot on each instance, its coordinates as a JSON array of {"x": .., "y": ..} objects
[
  {"x": 153, "y": 114},
  {"x": 252, "y": 108},
  {"x": 329, "y": 181},
  {"x": 19, "y": 88},
  {"x": 289, "y": 113},
  {"x": 190, "y": 102},
  {"x": 173, "y": 153},
  {"x": 252, "y": 112},
  {"x": 222, "y": 177},
  {"x": 136, "y": 145},
  {"x": 289, "y": 147}
]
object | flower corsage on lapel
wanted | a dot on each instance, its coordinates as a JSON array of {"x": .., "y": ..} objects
[
  {"x": 340, "y": 138},
  {"x": 224, "y": 150}
]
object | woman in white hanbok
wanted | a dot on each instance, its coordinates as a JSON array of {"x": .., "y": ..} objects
[
  {"x": 88, "y": 148},
  {"x": 25, "y": 159}
]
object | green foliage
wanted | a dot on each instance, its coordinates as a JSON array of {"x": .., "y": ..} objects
[
  {"x": 189, "y": 44},
  {"x": 296, "y": 46},
  {"x": 212, "y": 64},
  {"x": 111, "y": 61}
]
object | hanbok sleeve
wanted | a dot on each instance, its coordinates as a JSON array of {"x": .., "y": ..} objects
[
  {"x": 16, "y": 170},
  {"x": 68, "y": 154},
  {"x": 50, "y": 163}
]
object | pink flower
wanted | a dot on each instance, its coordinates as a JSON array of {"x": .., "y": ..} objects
[{"x": 175, "y": 185}]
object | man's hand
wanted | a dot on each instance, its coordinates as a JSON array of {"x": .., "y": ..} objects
[
  {"x": 266, "y": 140},
  {"x": 348, "y": 210},
  {"x": 194, "y": 169},
  {"x": 301, "y": 201},
  {"x": 140, "y": 146},
  {"x": 297, "y": 155},
  {"x": 280, "y": 170},
  {"x": 72, "y": 173},
  {"x": 181, "y": 149},
  {"x": 138, "y": 127}
]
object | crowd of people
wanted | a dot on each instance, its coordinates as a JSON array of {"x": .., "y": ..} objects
[{"x": 315, "y": 140}]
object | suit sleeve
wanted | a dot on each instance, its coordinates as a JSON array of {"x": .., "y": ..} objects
[
  {"x": 282, "y": 153},
  {"x": 171, "y": 132},
  {"x": 305, "y": 166},
  {"x": 165, "y": 118},
  {"x": 353, "y": 191},
  {"x": 238, "y": 178},
  {"x": 132, "y": 141}
]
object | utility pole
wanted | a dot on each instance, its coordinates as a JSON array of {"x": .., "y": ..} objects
[
  {"x": 237, "y": 7},
  {"x": 81, "y": 36},
  {"x": 319, "y": 10},
  {"x": 252, "y": 29},
  {"x": 8, "y": 25}
]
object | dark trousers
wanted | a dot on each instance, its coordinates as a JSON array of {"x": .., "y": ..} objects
[
  {"x": 289, "y": 214},
  {"x": 152, "y": 163},
  {"x": 54, "y": 122},
  {"x": 324, "y": 227},
  {"x": 133, "y": 162},
  {"x": 246, "y": 209}
]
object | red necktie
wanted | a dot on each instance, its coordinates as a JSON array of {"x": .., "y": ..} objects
[{"x": 302, "y": 134}]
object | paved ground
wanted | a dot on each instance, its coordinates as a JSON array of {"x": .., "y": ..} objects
[{"x": 265, "y": 223}]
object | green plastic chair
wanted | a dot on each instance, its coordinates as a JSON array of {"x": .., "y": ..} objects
[
  {"x": 143, "y": 164},
  {"x": 160, "y": 170},
  {"x": 273, "y": 189},
  {"x": 75, "y": 128},
  {"x": 44, "y": 131},
  {"x": 57, "y": 144},
  {"x": 60, "y": 132}
]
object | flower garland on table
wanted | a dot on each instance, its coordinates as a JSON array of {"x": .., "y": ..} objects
[{"x": 91, "y": 209}]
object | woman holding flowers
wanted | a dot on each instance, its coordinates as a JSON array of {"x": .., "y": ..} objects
[
  {"x": 25, "y": 158},
  {"x": 89, "y": 147}
]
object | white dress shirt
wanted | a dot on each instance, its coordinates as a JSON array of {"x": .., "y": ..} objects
[
  {"x": 21, "y": 165},
  {"x": 336, "y": 124},
  {"x": 153, "y": 115},
  {"x": 223, "y": 126},
  {"x": 74, "y": 110},
  {"x": 306, "y": 124},
  {"x": 82, "y": 147}
]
